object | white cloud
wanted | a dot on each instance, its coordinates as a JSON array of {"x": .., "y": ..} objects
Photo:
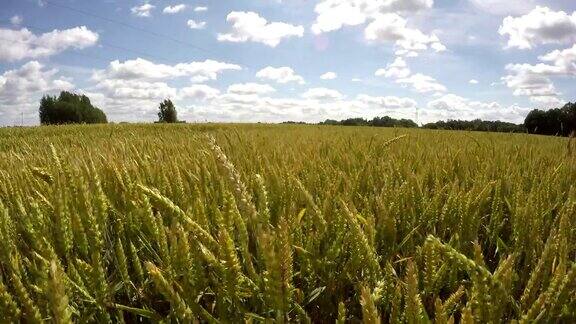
[
  {"x": 249, "y": 26},
  {"x": 453, "y": 102},
  {"x": 192, "y": 24},
  {"x": 329, "y": 76},
  {"x": 22, "y": 88},
  {"x": 321, "y": 105},
  {"x": 534, "y": 81},
  {"x": 356, "y": 80},
  {"x": 530, "y": 80},
  {"x": 422, "y": 83},
  {"x": 174, "y": 9},
  {"x": 200, "y": 9},
  {"x": 564, "y": 61},
  {"x": 385, "y": 24},
  {"x": 129, "y": 100},
  {"x": 508, "y": 7},
  {"x": 280, "y": 75},
  {"x": 131, "y": 90},
  {"x": 206, "y": 70},
  {"x": 397, "y": 69},
  {"x": 334, "y": 14},
  {"x": 451, "y": 106},
  {"x": 143, "y": 69},
  {"x": 135, "y": 89},
  {"x": 16, "y": 20},
  {"x": 402, "y": 74},
  {"x": 32, "y": 78},
  {"x": 548, "y": 101},
  {"x": 198, "y": 91},
  {"x": 393, "y": 28},
  {"x": 389, "y": 102},
  {"x": 137, "y": 69},
  {"x": 24, "y": 44},
  {"x": 322, "y": 94},
  {"x": 144, "y": 10},
  {"x": 473, "y": 81},
  {"x": 250, "y": 89},
  {"x": 540, "y": 26}
]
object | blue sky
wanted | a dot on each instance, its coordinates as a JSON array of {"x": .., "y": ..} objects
[{"x": 278, "y": 60}]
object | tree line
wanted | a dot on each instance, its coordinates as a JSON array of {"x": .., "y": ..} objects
[
  {"x": 556, "y": 122},
  {"x": 69, "y": 108},
  {"x": 477, "y": 125},
  {"x": 375, "y": 122}
]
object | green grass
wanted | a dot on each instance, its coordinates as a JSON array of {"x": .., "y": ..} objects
[{"x": 238, "y": 223}]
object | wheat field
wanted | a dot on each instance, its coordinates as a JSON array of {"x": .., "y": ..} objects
[{"x": 285, "y": 223}]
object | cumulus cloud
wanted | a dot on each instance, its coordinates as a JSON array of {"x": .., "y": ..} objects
[
  {"x": 251, "y": 107},
  {"x": 322, "y": 94},
  {"x": 134, "y": 99},
  {"x": 393, "y": 28},
  {"x": 508, "y": 7},
  {"x": 144, "y": 10},
  {"x": 534, "y": 81},
  {"x": 143, "y": 69},
  {"x": 329, "y": 76},
  {"x": 21, "y": 89},
  {"x": 16, "y": 20},
  {"x": 540, "y": 26},
  {"x": 385, "y": 22},
  {"x": 281, "y": 75},
  {"x": 250, "y": 89},
  {"x": 422, "y": 83},
  {"x": 193, "y": 24},
  {"x": 24, "y": 44},
  {"x": 32, "y": 78},
  {"x": 473, "y": 81},
  {"x": 174, "y": 9},
  {"x": 335, "y": 14},
  {"x": 249, "y": 26},
  {"x": 135, "y": 89},
  {"x": 200, "y": 9},
  {"x": 233, "y": 107},
  {"x": 390, "y": 102},
  {"x": 198, "y": 91},
  {"x": 564, "y": 61},
  {"x": 131, "y": 90},
  {"x": 401, "y": 73},
  {"x": 451, "y": 106},
  {"x": 397, "y": 69}
]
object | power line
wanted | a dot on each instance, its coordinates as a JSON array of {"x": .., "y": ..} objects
[
  {"x": 106, "y": 44},
  {"x": 140, "y": 29},
  {"x": 121, "y": 23},
  {"x": 13, "y": 41}
]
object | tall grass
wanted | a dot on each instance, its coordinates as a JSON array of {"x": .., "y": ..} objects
[{"x": 255, "y": 223}]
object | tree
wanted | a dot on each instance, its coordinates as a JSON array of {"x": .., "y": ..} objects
[
  {"x": 167, "y": 112},
  {"x": 69, "y": 108},
  {"x": 569, "y": 111},
  {"x": 477, "y": 125},
  {"x": 558, "y": 121}
]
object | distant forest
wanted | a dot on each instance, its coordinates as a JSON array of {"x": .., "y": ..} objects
[{"x": 557, "y": 122}]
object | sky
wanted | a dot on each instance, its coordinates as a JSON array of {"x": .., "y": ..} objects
[{"x": 290, "y": 60}]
